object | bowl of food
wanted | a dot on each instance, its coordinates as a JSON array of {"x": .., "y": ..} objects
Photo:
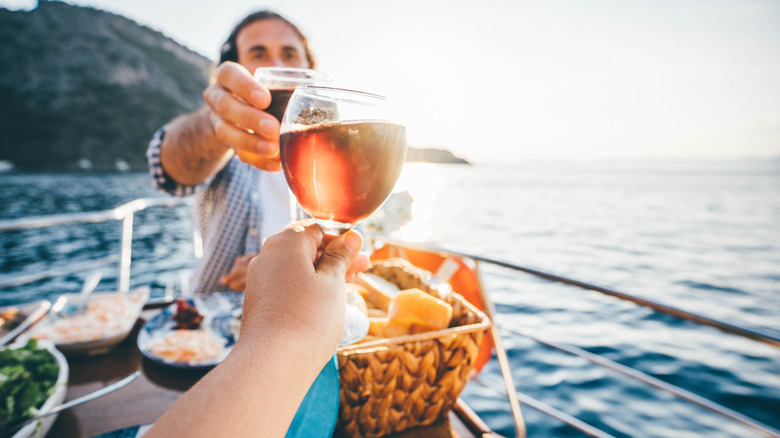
[
  {"x": 14, "y": 320},
  {"x": 35, "y": 376},
  {"x": 107, "y": 320},
  {"x": 195, "y": 333}
]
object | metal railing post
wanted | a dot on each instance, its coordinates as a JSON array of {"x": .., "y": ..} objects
[
  {"x": 501, "y": 356},
  {"x": 126, "y": 253}
]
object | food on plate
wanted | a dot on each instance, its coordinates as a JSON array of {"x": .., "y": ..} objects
[
  {"x": 187, "y": 316},
  {"x": 9, "y": 319},
  {"x": 187, "y": 346},
  {"x": 106, "y": 315},
  {"x": 27, "y": 379},
  {"x": 235, "y": 326}
]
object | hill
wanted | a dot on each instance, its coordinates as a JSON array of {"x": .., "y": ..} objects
[{"x": 79, "y": 83}]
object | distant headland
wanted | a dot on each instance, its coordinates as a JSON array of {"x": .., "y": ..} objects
[{"x": 432, "y": 155}]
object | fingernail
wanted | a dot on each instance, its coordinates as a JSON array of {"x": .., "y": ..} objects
[
  {"x": 269, "y": 127},
  {"x": 353, "y": 241},
  {"x": 259, "y": 98}
]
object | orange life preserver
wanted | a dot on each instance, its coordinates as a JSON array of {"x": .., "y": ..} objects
[{"x": 452, "y": 270}]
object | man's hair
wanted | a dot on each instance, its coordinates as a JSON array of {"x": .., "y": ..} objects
[{"x": 229, "y": 51}]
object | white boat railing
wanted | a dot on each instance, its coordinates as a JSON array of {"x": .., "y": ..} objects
[
  {"x": 755, "y": 334},
  {"x": 126, "y": 212}
]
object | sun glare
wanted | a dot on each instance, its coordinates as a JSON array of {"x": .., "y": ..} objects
[{"x": 408, "y": 213}]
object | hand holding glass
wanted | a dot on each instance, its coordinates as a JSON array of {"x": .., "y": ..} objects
[
  {"x": 341, "y": 152},
  {"x": 280, "y": 81}
]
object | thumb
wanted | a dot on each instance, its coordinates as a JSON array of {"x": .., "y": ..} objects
[{"x": 340, "y": 253}]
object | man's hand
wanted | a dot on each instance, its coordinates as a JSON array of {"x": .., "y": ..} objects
[
  {"x": 236, "y": 102},
  {"x": 236, "y": 278}
]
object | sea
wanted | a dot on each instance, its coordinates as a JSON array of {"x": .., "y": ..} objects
[{"x": 703, "y": 236}]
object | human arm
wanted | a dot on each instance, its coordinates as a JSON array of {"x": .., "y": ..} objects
[
  {"x": 197, "y": 145},
  {"x": 293, "y": 318}
]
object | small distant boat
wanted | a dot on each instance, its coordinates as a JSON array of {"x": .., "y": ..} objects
[
  {"x": 84, "y": 164},
  {"x": 144, "y": 400},
  {"x": 121, "y": 165}
]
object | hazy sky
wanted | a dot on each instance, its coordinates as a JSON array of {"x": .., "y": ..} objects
[{"x": 503, "y": 80}]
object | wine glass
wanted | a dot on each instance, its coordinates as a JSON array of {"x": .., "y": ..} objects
[
  {"x": 281, "y": 81},
  {"x": 341, "y": 152}
]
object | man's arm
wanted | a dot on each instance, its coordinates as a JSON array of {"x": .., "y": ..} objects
[
  {"x": 190, "y": 153},
  {"x": 198, "y": 145}
]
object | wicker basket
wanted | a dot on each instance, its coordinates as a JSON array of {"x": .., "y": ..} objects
[{"x": 390, "y": 385}]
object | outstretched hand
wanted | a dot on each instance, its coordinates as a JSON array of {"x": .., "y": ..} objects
[{"x": 236, "y": 102}]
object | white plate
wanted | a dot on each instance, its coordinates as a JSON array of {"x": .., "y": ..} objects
[
  {"x": 218, "y": 309},
  {"x": 107, "y": 338},
  {"x": 39, "y": 428}
]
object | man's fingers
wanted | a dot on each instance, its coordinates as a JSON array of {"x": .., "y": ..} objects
[
  {"x": 226, "y": 279},
  {"x": 237, "y": 112},
  {"x": 242, "y": 140},
  {"x": 234, "y": 77}
]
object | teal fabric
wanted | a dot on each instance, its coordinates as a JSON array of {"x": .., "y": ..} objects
[{"x": 317, "y": 414}]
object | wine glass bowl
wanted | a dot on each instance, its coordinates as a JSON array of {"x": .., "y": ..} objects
[{"x": 342, "y": 152}]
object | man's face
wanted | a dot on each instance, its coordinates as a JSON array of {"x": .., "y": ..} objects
[{"x": 270, "y": 43}]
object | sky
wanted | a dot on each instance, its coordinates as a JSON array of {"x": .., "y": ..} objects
[{"x": 505, "y": 80}]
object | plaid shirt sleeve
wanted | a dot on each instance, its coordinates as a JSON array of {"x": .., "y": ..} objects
[{"x": 160, "y": 179}]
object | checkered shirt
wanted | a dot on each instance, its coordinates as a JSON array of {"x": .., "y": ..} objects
[{"x": 230, "y": 213}]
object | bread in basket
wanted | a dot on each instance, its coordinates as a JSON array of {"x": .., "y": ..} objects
[{"x": 393, "y": 384}]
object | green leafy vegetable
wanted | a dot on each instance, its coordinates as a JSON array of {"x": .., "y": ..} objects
[{"x": 27, "y": 378}]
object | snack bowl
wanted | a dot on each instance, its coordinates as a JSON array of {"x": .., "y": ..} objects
[
  {"x": 39, "y": 428},
  {"x": 201, "y": 347},
  {"x": 15, "y": 320},
  {"x": 107, "y": 321}
]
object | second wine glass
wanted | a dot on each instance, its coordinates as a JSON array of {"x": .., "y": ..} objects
[{"x": 280, "y": 81}]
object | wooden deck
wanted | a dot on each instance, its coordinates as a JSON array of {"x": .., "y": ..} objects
[{"x": 158, "y": 387}]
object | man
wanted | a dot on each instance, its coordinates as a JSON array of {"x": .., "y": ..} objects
[{"x": 238, "y": 204}]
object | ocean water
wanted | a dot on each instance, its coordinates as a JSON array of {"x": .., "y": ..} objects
[{"x": 704, "y": 237}]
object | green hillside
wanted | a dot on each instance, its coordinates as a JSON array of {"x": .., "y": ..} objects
[{"x": 80, "y": 83}]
